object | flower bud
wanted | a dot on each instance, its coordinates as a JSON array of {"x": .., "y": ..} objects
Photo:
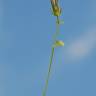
[
  {"x": 58, "y": 43},
  {"x": 55, "y": 8}
]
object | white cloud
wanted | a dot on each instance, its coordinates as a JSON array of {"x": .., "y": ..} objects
[{"x": 81, "y": 46}]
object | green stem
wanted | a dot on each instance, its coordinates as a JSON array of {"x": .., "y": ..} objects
[
  {"x": 49, "y": 72},
  {"x": 57, "y": 30},
  {"x": 51, "y": 57},
  {"x": 58, "y": 21}
]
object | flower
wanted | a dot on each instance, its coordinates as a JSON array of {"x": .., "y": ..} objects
[{"x": 55, "y": 8}]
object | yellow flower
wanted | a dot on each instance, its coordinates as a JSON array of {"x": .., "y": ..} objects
[{"x": 55, "y": 8}]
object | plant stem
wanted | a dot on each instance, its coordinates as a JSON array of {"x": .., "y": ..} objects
[
  {"x": 57, "y": 30},
  {"x": 49, "y": 71},
  {"x": 51, "y": 57}
]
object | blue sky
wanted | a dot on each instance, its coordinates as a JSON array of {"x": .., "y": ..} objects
[{"x": 26, "y": 30}]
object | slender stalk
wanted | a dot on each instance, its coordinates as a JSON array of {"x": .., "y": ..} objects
[
  {"x": 49, "y": 72},
  {"x": 51, "y": 57},
  {"x": 57, "y": 30}
]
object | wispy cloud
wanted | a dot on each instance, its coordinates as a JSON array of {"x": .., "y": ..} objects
[{"x": 82, "y": 46}]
